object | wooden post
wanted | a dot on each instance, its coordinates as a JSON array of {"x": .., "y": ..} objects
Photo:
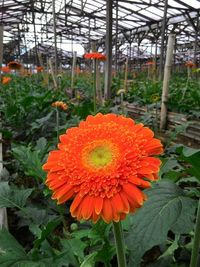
[
  {"x": 126, "y": 74},
  {"x": 108, "y": 45},
  {"x": 196, "y": 39},
  {"x": 73, "y": 73},
  {"x": 52, "y": 74},
  {"x": 116, "y": 39},
  {"x": 3, "y": 214},
  {"x": 164, "y": 23},
  {"x": 167, "y": 73},
  {"x": 55, "y": 38},
  {"x": 1, "y": 47}
]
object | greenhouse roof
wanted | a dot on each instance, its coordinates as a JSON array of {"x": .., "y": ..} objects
[{"x": 85, "y": 20}]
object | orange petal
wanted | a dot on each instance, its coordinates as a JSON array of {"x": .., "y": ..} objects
[
  {"x": 133, "y": 194},
  {"x": 126, "y": 205},
  {"x": 61, "y": 191},
  {"x": 95, "y": 217},
  {"x": 98, "y": 205},
  {"x": 118, "y": 203},
  {"x": 76, "y": 202},
  {"x": 87, "y": 207},
  {"x": 66, "y": 196},
  {"x": 107, "y": 213},
  {"x": 139, "y": 182}
]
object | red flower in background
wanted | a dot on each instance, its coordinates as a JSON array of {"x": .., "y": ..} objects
[
  {"x": 6, "y": 80},
  {"x": 103, "y": 164},
  {"x": 190, "y": 64},
  {"x": 95, "y": 55},
  {"x": 150, "y": 63},
  {"x": 5, "y": 69},
  {"x": 39, "y": 69},
  {"x": 60, "y": 104}
]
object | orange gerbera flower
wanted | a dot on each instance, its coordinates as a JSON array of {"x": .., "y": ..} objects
[
  {"x": 39, "y": 69},
  {"x": 6, "y": 80},
  {"x": 60, "y": 104},
  {"x": 95, "y": 55},
  {"x": 14, "y": 65},
  {"x": 5, "y": 69},
  {"x": 102, "y": 164},
  {"x": 190, "y": 64}
]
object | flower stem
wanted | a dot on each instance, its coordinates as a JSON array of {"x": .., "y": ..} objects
[
  {"x": 94, "y": 89},
  {"x": 119, "y": 241},
  {"x": 196, "y": 244},
  {"x": 57, "y": 124}
]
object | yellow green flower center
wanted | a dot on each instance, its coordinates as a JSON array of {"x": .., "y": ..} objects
[{"x": 99, "y": 155}]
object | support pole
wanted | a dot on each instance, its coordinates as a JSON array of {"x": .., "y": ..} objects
[
  {"x": 55, "y": 38},
  {"x": 3, "y": 215},
  {"x": 126, "y": 74},
  {"x": 164, "y": 23},
  {"x": 116, "y": 39},
  {"x": 108, "y": 45},
  {"x": 167, "y": 73},
  {"x": 73, "y": 73},
  {"x": 1, "y": 47},
  {"x": 196, "y": 39}
]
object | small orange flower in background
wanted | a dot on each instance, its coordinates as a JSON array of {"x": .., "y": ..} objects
[
  {"x": 60, "y": 104},
  {"x": 77, "y": 70},
  {"x": 6, "y": 80},
  {"x": 5, "y": 69},
  {"x": 14, "y": 65},
  {"x": 150, "y": 63},
  {"x": 95, "y": 55},
  {"x": 190, "y": 64},
  {"x": 102, "y": 165},
  {"x": 39, "y": 69}
]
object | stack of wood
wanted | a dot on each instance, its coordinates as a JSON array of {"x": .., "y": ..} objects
[{"x": 192, "y": 131}]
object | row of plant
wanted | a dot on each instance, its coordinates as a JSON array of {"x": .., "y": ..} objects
[{"x": 42, "y": 233}]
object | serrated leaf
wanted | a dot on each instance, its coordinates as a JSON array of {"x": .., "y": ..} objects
[
  {"x": 36, "y": 215},
  {"x": 13, "y": 197},
  {"x": 10, "y": 250},
  {"x": 30, "y": 160},
  {"x": 152, "y": 222}
]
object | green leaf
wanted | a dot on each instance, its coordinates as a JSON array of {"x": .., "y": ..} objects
[
  {"x": 12, "y": 197},
  {"x": 30, "y": 160},
  {"x": 36, "y": 215},
  {"x": 11, "y": 252},
  {"x": 89, "y": 260},
  {"x": 185, "y": 222},
  {"x": 46, "y": 231},
  {"x": 4, "y": 175},
  {"x": 169, "y": 165},
  {"x": 76, "y": 246},
  {"x": 174, "y": 246},
  {"x": 152, "y": 222},
  {"x": 191, "y": 156}
]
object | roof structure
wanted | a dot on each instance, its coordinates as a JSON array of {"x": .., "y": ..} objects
[{"x": 134, "y": 22}]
